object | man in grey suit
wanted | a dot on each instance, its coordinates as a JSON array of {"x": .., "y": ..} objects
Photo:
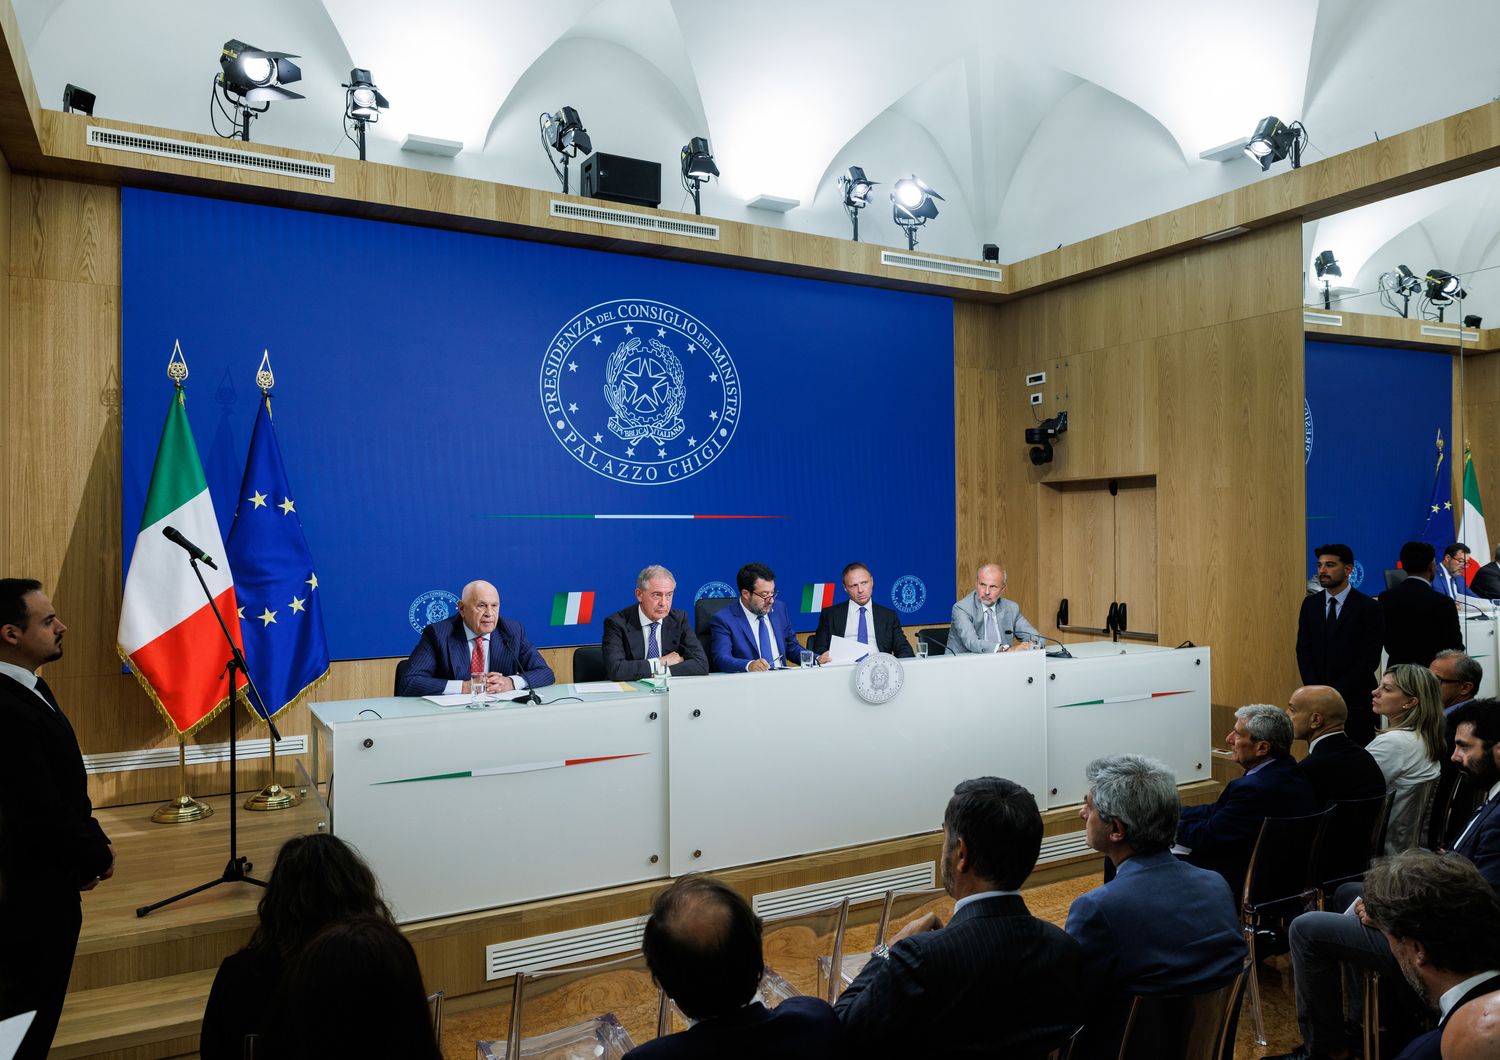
[{"x": 986, "y": 622}]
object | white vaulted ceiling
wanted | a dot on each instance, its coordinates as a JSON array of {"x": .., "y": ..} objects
[{"x": 1039, "y": 123}]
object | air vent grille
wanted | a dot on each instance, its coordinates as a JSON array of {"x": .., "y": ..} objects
[
  {"x": 642, "y": 222},
  {"x": 1332, "y": 320},
  {"x": 898, "y": 260},
  {"x": 1437, "y": 331},
  {"x": 197, "y": 754},
  {"x": 1064, "y": 847},
  {"x": 504, "y": 959},
  {"x": 855, "y": 888},
  {"x": 208, "y": 154}
]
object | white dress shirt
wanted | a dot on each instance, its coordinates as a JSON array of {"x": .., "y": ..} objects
[
  {"x": 754, "y": 620},
  {"x": 851, "y": 627},
  {"x": 1450, "y": 996},
  {"x": 453, "y": 688}
]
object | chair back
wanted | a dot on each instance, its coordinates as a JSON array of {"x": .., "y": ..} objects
[
  {"x": 1197, "y": 1026},
  {"x": 401, "y": 668},
  {"x": 1350, "y": 835},
  {"x": 937, "y": 640},
  {"x": 902, "y": 906},
  {"x": 575, "y": 992},
  {"x": 704, "y": 611},
  {"x": 1463, "y": 799},
  {"x": 793, "y": 944},
  {"x": 1280, "y": 863},
  {"x": 435, "y": 1010},
  {"x": 1064, "y": 1049},
  {"x": 588, "y": 663}
]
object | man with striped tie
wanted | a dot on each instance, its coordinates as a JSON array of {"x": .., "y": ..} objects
[
  {"x": 476, "y": 640},
  {"x": 652, "y": 629},
  {"x": 859, "y": 619}
]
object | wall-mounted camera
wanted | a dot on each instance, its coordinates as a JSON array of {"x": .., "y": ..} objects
[{"x": 1042, "y": 435}]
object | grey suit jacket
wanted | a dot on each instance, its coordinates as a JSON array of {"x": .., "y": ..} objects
[{"x": 968, "y": 635}]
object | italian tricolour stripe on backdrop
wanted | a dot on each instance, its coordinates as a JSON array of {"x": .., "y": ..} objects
[
  {"x": 168, "y": 633},
  {"x": 817, "y": 596},
  {"x": 572, "y": 609},
  {"x": 1471, "y": 529}
]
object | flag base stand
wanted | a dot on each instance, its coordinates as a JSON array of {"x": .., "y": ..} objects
[
  {"x": 273, "y": 796},
  {"x": 184, "y": 808}
]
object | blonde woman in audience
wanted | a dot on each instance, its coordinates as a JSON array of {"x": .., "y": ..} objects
[{"x": 1410, "y": 749}]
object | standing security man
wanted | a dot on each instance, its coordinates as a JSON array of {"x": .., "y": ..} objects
[{"x": 1338, "y": 639}]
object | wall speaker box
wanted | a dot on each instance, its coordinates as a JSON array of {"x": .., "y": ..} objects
[{"x": 621, "y": 179}]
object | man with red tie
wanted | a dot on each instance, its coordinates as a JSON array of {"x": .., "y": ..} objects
[{"x": 476, "y": 640}]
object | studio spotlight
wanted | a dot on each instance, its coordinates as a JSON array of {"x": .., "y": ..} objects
[
  {"x": 697, "y": 166},
  {"x": 1327, "y": 267},
  {"x": 857, "y": 188},
  {"x": 362, "y": 105},
  {"x": 1399, "y": 283},
  {"x": 248, "y": 75},
  {"x": 1043, "y": 435},
  {"x": 913, "y": 204},
  {"x": 1443, "y": 289},
  {"x": 1273, "y": 141},
  {"x": 564, "y": 133},
  {"x": 79, "y": 100}
]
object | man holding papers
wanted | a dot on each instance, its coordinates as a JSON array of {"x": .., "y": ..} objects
[
  {"x": 652, "y": 629},
  {"x": 757, "y": 634},
  {"x": 857, "y": 619},
  {"x": 475, "y": 640}
]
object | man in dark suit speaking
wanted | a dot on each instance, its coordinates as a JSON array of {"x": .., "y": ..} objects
[
  {"x": 476, "y": 640},
  {"x": 652, "y": 629},
  {"x": 51, "y": 848},
  {"x": 1419, "y": 620},
  {"x": 1338, "y": 639},
  {"x": 996, "y": 981},
  {"x": 858, "y": 619}
]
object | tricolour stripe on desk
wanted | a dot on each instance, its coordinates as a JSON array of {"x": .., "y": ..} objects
[
  {"x": 1137, "y": 697},
  {"x": 519, "y": 767}
]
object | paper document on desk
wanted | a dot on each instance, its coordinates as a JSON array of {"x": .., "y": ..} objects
[
  {"x": 846, "y": 651},
  {"x": 595, "y": 687},
  {"x": 463, "y": 699}
]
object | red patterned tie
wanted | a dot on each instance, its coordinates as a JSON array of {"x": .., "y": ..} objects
[{"x": 476, "y": 664}]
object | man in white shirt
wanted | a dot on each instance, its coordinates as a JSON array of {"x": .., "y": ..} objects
[
  {"x": 984, "y": 621},
  {"x": 859, "y": 619},
  {"x": 756, "y": 635},
  {"x": 476, "y": 640}
]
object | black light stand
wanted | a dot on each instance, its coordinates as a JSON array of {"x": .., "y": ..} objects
[{"x": 237, "y": 869}]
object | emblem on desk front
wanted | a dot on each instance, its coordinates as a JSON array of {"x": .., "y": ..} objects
[
  {"x": 879, "y": 678},
  {"x": 432, "y": 606},
  {"x": 640, "y": 392},
  {"x": 908, "y": 593}
]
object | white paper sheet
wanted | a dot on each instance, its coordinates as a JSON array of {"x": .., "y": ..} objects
[
  {"x": 463, "y": 699},
  {"x": 846, "y": 651},
  {"x": 597, "y": 687}
]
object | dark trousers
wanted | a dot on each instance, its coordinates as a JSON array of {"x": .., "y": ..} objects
[{"x": 37, "y": 942}]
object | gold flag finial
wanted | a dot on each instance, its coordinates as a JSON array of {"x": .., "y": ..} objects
[
  {"x": 177, "y": 369},
  {"x": 264, "y": 377}
]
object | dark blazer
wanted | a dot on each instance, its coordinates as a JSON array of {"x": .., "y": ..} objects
[
  {"x": 1348, "y": 659},
  {"x": 625, "y": 645},
  {"x": 883, "y": 624},
  {"x": 1486, "y": 581},
  {"x": 237, "y": 1003},
  {"x": 1222, "y": 836},
  {"x": 995, "y": 982},
  {"x": 1429, "y": 1046},
  {"x": 1340, "y": 769},
  {"x": 800, "y": 1028},
  {"x": 1480, "y": 842},
  {"x": 442, "y": 655},
  {"x": 1419, "y": 623},
  {"x": 733, "y": 645}
]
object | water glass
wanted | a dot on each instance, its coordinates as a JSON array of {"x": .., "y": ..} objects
[
  {"x": 921, "y": 648},
  {"x": 477, "y": 682},
  {"x": 808, "y": 658},
  {"x": 662, "y": 675}
]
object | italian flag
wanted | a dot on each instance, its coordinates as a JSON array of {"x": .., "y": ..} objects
[
  {"x": 572, "y": 609},
  {"x": 168, "y": 634},
  {"x": 1471, "y": 529},
  {"x": 817, "y": 596}
]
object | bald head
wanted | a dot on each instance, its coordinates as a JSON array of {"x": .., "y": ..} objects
[
  {"x": 479, "y": 607},
  {"x": 703, "y": 945},
  {"x": 989, "y": 583},
  {"x": 1474, "y": 1031},
  {"x": 1316, "y": 710}
]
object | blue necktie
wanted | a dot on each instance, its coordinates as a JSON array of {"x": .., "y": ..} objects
[
  {"x": 765, "y": 642},
  {"x": 863, "y": 635},
  {"x": 653, "y": 650}
]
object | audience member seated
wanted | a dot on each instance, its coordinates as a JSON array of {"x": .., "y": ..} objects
[
  {"x": 1458, "y": 677},
  {"x": 1338, "y": 768},
  {"x": 703, "y": 946},
  {"x": 1409, "y": 749},
  {"x": 355, "y": 990},
  {"x": 1441, "y": 921},
  {"x": 1323, "y": 943},
  {"x": 1458, "y": 682},
  {"x": 996, "y": 981},
  {"x": 1473, "y": 1032},
  {"x": 1221, "y": 836},
  {"x": 1161, "y": 926},
  {"x": 317, "y": 879}
]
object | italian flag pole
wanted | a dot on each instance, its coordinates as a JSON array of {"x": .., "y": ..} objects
[
  {"x": 1471, "y": 529},
  {"x": 168, "y": 634}
]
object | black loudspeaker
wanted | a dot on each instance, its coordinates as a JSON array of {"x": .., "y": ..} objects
[{"x": 621, "y": 179}]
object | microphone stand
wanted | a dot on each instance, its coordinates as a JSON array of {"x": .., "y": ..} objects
[{"x": 237, "y": 869}]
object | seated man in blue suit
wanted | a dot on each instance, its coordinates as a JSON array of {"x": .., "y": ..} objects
[
  {"x": 475, "y": 639},
  {"x": 1221, "y": 836},
  {"x": 756, "y": 635},
  {"x": 703, "y": 946},
  {"x": 1451, "y": 578},
  {"x": 1161, "y": 926}
]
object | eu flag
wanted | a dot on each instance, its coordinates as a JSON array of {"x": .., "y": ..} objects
[
  {"x": 280, "y": 614},
  {"x": 1437, "y": 517}
]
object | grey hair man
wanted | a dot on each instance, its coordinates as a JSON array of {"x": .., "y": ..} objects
[
  {"x": 651, "y": 636},
  {"x": 1459, "y": 677},
  {"x": 1221, "y": 836}
]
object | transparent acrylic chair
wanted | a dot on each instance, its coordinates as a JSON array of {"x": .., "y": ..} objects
[
  {"x": 546, "y": 1007},
  {"x": 898, "y": 908},
  {"x": 794, "y": 943}
]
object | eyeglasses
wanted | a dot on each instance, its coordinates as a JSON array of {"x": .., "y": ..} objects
[
  {"x": 767, "y": 596},
  {"x": 1449, "y": 681}
]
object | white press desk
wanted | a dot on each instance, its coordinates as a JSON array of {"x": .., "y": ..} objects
[
  {"x": 1480, "y": 642},
  {"x": 459, "y": 809}
]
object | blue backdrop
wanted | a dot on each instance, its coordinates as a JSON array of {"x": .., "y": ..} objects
[
  {"x": 454, "y": 406},
  {"x": 1373, "y": 414}
]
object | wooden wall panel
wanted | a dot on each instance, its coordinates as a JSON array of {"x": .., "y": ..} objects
[
  {"x": 1137, "y": 572},
  {"x": 1480, "y": 403}
]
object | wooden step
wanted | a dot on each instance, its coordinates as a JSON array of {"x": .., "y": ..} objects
[{"x": 150, "y": 1018}]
